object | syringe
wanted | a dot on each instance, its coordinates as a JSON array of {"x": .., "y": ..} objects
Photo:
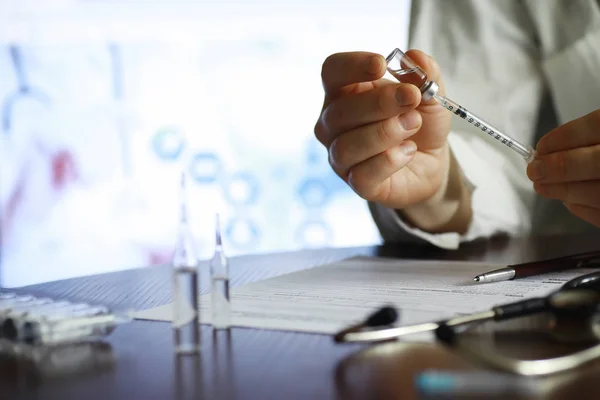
[{"x": 405, "y": 70}]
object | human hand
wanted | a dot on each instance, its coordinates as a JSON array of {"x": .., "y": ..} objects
[
  {"x": 383, "y": 141},
  {"x": 567, "y": 166}
]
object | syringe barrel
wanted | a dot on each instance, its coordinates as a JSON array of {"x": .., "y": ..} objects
[
  {"x": 525, "y": 151},
  {"x": 405, "y": 70}
]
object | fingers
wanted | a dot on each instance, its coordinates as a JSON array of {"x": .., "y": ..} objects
[
  {"x": 430, "y": 66},
  {"x": 371, "y": 178},
  {"x": 581, "y": 193},
  {"x": 581, "y": 132},
  {"x": 566, "y": 167},
  {"x": 350, "y": 112},
  {"x": 589, "y": 214},
  {"x": 362, "y": 143},
  {"x": 342, "y": 69},
  {"x": 580, "y": 164},
  {"x": 366, "y": 121}
]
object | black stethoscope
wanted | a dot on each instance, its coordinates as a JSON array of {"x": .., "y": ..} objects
[{"x": 576, "y": 303}]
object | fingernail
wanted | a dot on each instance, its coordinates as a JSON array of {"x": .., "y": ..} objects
[
  {"x": 410, "y": 120},
  {"x": 408, "y": 148},
  {"x": 404, "y": 96},
  {"x": 537, "y": 170},
  {"x": 373, "y": 65}
]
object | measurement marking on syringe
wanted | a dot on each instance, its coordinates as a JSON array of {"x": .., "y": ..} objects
[{"x": 466, "y": 115}]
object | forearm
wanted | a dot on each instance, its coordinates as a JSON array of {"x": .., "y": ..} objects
[{"x": 449, "y": 209}]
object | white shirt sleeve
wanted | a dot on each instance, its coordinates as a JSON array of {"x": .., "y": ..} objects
[{"x": 486, "y": 52}]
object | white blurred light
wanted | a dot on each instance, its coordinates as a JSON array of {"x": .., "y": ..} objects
[{"x": 239, "y": 79}]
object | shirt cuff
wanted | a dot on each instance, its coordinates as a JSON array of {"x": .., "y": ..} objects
[{"x": 394, "y": 229}]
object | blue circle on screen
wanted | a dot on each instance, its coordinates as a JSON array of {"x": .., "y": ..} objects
[
  {"x": 314, "y": 193},
  {"x": 205, "y": 167},
  {"x": 242, "y": 232},
  {"x": 314, "y": 233},
  {"x": 168, "y": 143},
  {"x": 242, "y": 189}
]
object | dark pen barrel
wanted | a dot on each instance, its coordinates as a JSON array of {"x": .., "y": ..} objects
[
  {"x": 542, "y": 267},
  {"x": 588, "y": 259},
  {"x": 520, "y": 308}
]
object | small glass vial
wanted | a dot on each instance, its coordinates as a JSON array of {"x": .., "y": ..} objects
[
  {"x": 405, "y": 70},
  {"x": 186, "y": 311},
  {"x": 219, "y": 275}
]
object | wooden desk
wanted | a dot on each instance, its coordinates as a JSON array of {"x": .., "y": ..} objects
[{"x": 256, "y": 364}]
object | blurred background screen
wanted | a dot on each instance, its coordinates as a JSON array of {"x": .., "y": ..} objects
[{"x": 103, "y": 103}]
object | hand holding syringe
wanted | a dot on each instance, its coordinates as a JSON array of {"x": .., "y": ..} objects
[{"x": 406, "y": 70}]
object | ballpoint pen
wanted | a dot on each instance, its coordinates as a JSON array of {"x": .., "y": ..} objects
[{"x": 523, "y": 270}]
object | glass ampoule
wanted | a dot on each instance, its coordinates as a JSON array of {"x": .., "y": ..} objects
[
  {"x": 219, "y": 275},
  {"x": 185, "y": 285},
  {"x": 405, "y": 70}
]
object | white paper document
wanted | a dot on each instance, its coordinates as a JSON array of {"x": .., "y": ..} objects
[{"x": 327, "y": 298}]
